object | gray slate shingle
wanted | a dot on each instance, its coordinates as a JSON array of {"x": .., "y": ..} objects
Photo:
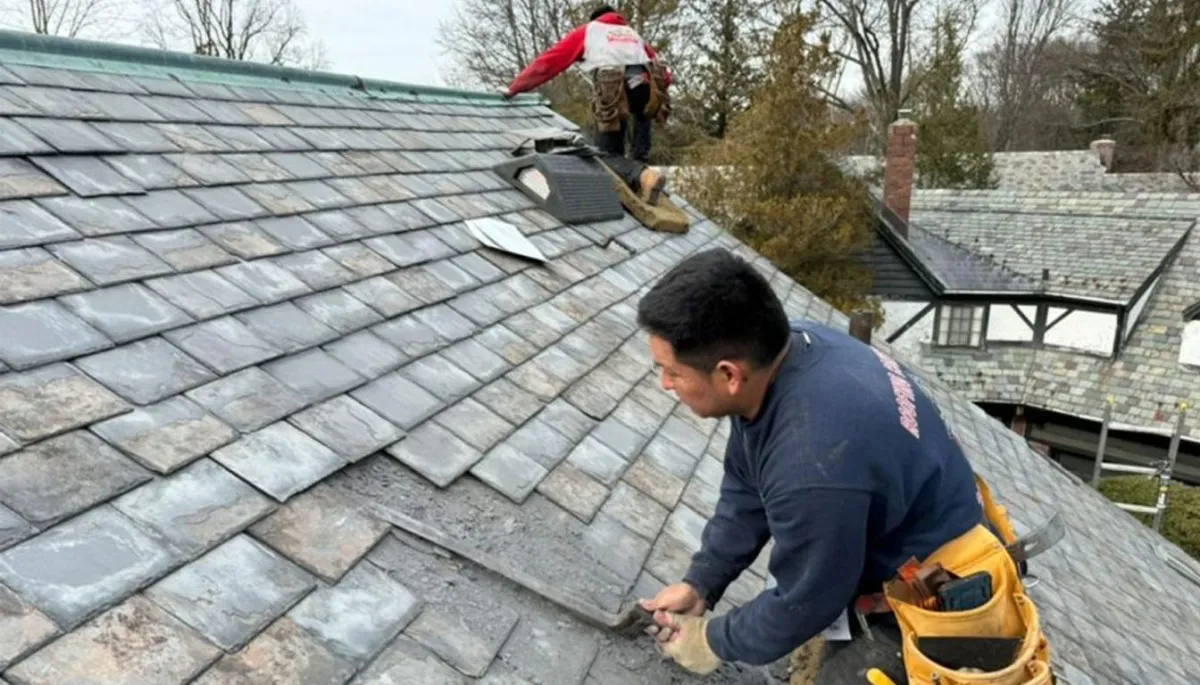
[
  {"x": 52, "y": 399},
  {"x": 347, "y": 427},
  {"x": 33, "y": 273},
  {"x": 202, "y": 294},
  {"x": 247, "y": 400},
  {"x": 126, "y": 312},
  {"x": 224, "y": 345},
  {"x": 44, "y": 331},
  {"x": 146, "y": 371}
]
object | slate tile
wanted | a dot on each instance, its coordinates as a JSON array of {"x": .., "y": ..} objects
[
  {"x": 436, "y": 453},
  {"x": 152, "y": 172},
  {"x": 635, "y": 415},
  {"x": 202, "y": 294},
  {"x": 367, "y": 353},
  {"x": 243, "y": 239},
  {"x": 532, "y": 379},
  {"x": 16, "y": 139},
  {"x": 248, "y": 399},
  {"x": 567, "y": 420},
  {"x": 87, "y": 176},
  {"x": 286, "y": 327},
  {"x": 419, "y": 282},
  {"x": 224, "y": 345},
  {"x": 110, "y": 260},
  {"x": 622, "y": 439},
  {"x": 264, "y": 114},
  {"x": 546, "y": 648},
  {"x": 347, "y": 427},
  {"x": 359, "y": 259},
  {"x": 175, "y": 108},
  {"x": 185, "y": 249},
  {"x": 316, "y": 270},
  {"x": 13, "y": 529},
  {"x": 661, "y": 485},
  {"x": 146, "y": 371},
  {"x": 26, "y": 224},
  {"x": 233, "y": 592},
  {"x": 283, "y": 653},
  {"x": 257, "y": 167},
  {"x": 358, "y": 191},
  {"x": 383, "y": 296},
  {"x": 22, "y": 628},
  {"x": 453, "y": 632},
  {"x": 574, "y": 491},
  {"x": 409, "y": 335},
  {"x": 88, "y": 563},
  {"x": 440, "y": 377},
  {"x": 447, "y": 323},
  {"x": 636, "y": 511},
  {"x": 299, "y": 164},
  {"x": 226, "y": 202},
  {"x": 167, "y": 435},
  {"x": 196, "y": 508},
  {"x": 323, "y": 530},
  {"x": 109, "y": 650},
  {"x": 126, "y": 312},
  {"x": 670, "y": 457},
  {"x": 20, "y": 179},
  {"x": 170, "y": 209},
  {"x": 616, "y": 547},
  {"x": 208, "y": 169},
  {"x": 278, "y": 198},
  {"x": 684, "y": 435},
  {"x": 264, "y": 280},
  {"x": 669, "y": 559},
  {"x": 360, "y": 615},
  {"x": 445, "y": 271},
  {"x": 32, "y": 273},
  {"x": 475, "y": 423},
  {"x": 406, "y": 661},
  {"x": 314, "y": 375},
  {"x": 478, "y": 267},
  {"x": 50, "y": 400},
  {"x": 72, "y": 137},
  {"x": 56, "y": 478},
  {"x": 339, "y": 310},
  {"x": 509, "y": 471},
  {"x": 530, "y": 329},
  {"x": 319, "y": 194},
  {"x": 477, "y": 360},
  {"x": 192, "y": 138},
  {"x": 514, "y": 348},
  {"x": 598, "y": 461},
  {"x": 407, "y": 249},
  {"x": 339, "y": 225}
]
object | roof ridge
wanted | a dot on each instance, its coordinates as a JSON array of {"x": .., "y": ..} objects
[{"x": 15, "y": 44}]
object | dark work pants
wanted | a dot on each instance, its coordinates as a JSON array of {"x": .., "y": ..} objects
[
  {"x": 847, "y": 663},
  {"x": 613, "y": 142},
  {"x": 628, "y": 169}
]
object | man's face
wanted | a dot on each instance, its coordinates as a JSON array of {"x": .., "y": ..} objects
[{"x": 708, "y": 395}]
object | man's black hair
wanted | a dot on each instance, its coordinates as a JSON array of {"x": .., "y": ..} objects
[
  {"x": 714, "y": 306},
  {"x": 601, "y": 11}
]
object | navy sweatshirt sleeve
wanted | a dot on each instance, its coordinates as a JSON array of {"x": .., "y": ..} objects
[
  {"x": 820, "y": 538},
  {"x": 734, "y": 536}
]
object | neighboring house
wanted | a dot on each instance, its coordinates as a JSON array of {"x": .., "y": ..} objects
[
  {"x": 1040, "y": 305},
  {"x": 271, "y": 413}
]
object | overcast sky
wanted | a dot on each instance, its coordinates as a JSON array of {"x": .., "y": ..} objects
[{"x": 386, "y": 39}]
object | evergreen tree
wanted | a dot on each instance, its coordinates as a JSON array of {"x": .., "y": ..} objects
[
  {"x": 772, "y": 180},
  {"x": 953, "y": 149}
]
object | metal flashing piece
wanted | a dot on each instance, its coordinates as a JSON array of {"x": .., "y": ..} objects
[
  {"x": 501, "y": 235},
  {"x": 572, "y": 188}
]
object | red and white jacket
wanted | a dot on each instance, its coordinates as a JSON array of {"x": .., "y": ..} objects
[{"x": 606, "y": 42}]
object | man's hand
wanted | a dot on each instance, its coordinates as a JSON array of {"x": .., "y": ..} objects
[
  {"x": 687, "y": 643},
  {"x": 680, "y": 598},
  {"x": 508, "y": 95}
]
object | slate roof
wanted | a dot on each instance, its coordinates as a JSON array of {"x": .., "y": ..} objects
[{"x": 270, "y": 414}]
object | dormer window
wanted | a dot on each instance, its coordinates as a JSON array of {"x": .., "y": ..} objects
[{"x": 960, "y": 326}]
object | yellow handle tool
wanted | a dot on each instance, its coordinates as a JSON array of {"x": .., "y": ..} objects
[{"x": 878, "y": 677}]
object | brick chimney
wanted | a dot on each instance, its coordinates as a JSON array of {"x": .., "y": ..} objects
[
  {"x": 1104, "y": 148},
  {"x": 900, "y": 165}
]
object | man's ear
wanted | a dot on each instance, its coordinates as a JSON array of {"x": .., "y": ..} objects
[{"x": 731, "y": 374}]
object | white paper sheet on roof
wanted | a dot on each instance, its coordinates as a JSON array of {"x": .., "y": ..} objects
[{"x": 501, "y": 235}]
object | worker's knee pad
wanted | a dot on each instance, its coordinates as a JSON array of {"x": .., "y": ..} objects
[{"x": 610, "y": 106}]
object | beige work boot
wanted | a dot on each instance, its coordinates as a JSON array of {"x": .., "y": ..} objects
[{"x": 650, "y": 185}]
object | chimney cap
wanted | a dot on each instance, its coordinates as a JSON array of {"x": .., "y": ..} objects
[{"x": 903, "y": 118}]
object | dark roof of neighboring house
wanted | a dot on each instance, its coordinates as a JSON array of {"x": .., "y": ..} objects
[
  {"x": 1147, "y": 378},
  {"x": 270, "y": 413}
]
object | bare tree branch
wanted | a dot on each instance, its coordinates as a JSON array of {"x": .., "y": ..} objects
[{"x": 270, "y": 31}]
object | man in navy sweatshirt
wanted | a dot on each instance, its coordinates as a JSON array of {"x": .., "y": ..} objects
[{"x": 835, "y": 453}]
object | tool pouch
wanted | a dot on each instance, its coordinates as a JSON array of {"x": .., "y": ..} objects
[
  {"x": 610, "y": 106},
  {"x": 659, "y": 107},
  {"x": 1009, "y": 613}
]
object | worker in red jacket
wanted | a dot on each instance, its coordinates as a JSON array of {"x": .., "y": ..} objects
[{"x": 627, "y": 76}]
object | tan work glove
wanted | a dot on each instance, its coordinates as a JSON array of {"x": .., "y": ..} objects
[{"x": 685, "y": 640}]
